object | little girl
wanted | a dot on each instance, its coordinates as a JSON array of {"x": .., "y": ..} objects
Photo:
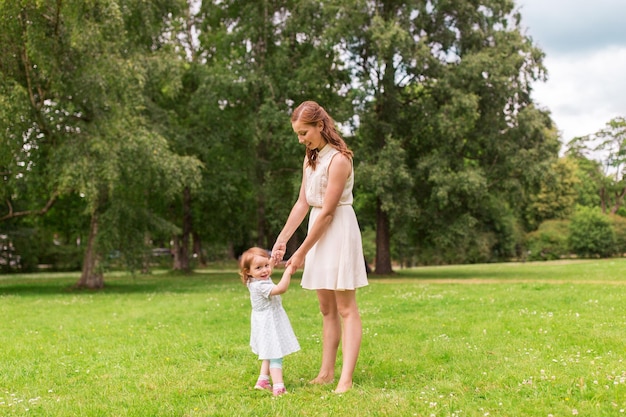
[{"x": 271, "y": 335}]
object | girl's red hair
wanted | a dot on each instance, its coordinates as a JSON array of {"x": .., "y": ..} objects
[{"x": 246, "y": 260}]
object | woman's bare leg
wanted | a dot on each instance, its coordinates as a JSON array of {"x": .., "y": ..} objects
[
  {"x": 331, "y": 335},
  {"x": 352, "y": 334}
]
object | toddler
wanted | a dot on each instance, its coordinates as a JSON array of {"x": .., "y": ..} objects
[{"x": 271, "y": 335}]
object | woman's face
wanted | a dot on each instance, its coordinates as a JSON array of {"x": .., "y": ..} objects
[{"x": 309, "y": 135}]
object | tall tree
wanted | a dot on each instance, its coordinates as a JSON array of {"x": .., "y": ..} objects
[
  {"x": 78, "y": 66},
  {"x": 261, "y": 59},
  {"x": 451, "y": 82}
]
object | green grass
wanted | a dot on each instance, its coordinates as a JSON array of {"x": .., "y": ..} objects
[{"x": 534, "y": 339}]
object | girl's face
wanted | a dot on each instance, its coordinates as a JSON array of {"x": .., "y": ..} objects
[
  {"x": 260, "y": 268},
  {"x": 309, "y": 135}
]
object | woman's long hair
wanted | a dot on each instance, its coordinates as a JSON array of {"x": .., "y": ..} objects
[{"x": 311, "y": 113}]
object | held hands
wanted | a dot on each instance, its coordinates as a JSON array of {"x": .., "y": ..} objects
[
  {"x": 278, "y": 251},
  {"x": 295, "y": 262}
]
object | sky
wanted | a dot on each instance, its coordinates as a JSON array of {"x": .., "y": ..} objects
[{"x": 585, "y": 46}]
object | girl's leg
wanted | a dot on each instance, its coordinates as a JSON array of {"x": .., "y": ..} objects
[
  {"x": 263, "y": 382},
  {"x": 352, "y": 334},
  {"x": 331, "y": 335},
  {"x": 276, "y": 370},
  {"x": 265, "y": 367}
]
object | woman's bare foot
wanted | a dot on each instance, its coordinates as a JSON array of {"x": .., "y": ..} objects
[
  {"x": 322, "y": 380},
  {"x": 343, "y": 387}
]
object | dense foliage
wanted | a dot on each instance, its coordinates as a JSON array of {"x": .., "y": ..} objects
[{"x": 129, "y": 125}]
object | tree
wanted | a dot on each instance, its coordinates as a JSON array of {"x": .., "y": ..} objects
[
  {"x": 262, "y": 58},
  {"x": 81, "y": 80},
  {"x": 590, "y": 177},
  {"x": 557, "y": 195},
  {"x": 451, "y": 82},
  {"x": 607, "y": 146}
]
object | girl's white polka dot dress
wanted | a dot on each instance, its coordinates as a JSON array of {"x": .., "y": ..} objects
[{"x": 271, "y": 334}]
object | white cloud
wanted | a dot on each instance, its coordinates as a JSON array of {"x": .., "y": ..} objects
[
  {"x": 570, "y": 26},
  {"x": 584, "y": 91},
  {"x": 585, "y": 46}
]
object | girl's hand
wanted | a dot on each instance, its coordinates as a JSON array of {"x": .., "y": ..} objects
[
  {"x": 278, "y": 251},
  {"x": 290, "y": 270},
  {"x": 284, "y": 282}
]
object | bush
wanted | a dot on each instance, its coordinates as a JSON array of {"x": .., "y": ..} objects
[
  {"x": 64, "y": 257},
  {"x": 19, "y": 250},
  {"x": 549, "y": 241},
  {"x": 619, "y": 226},
  {"x": 591, "y": 233}
]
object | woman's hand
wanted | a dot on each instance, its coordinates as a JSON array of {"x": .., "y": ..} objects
[
  {"x": 278, "y": 251},
  {"x": 296, "y": 261}
]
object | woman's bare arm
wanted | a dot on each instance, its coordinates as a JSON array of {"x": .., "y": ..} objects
[
  {"x": 296, "y": 216},
  {"x": 338, "y": 172}
]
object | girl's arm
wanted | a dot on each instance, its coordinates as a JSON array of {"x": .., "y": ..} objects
[
  {"x": 284, "y": 282},
  {"x": 338, "y": 173}
]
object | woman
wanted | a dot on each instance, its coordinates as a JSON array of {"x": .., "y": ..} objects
[{"x": 331, "y": 253}]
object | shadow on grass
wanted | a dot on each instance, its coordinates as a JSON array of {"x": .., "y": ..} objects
[
  {"x": 163, "y": 283},
  {"x": 496, "y": 272},
  {"x": 447, "y": 275}
]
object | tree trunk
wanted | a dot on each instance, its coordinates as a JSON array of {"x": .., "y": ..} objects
[
  {"x": 176, "y": 266},
  {"x": 197, "y": 249},
  {"x": 619, "y": 197},
  {"x": 146, "y": 258},
  {"x": 231, "y": 250},
  {"x": 383, "y": 251},
  {"x": 187, "y": 227},
  {"x": 91, "y": 277},
  {"x": 386, "y": 112},
  {"x": 181, "y": 243}
]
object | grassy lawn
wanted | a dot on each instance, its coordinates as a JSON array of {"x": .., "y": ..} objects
[{"x": 533, "y": 339}]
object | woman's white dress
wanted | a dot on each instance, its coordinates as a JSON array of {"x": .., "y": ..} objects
[
  {"x": 271, "y": 334},
  {"x": 336, "y": 261}
]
